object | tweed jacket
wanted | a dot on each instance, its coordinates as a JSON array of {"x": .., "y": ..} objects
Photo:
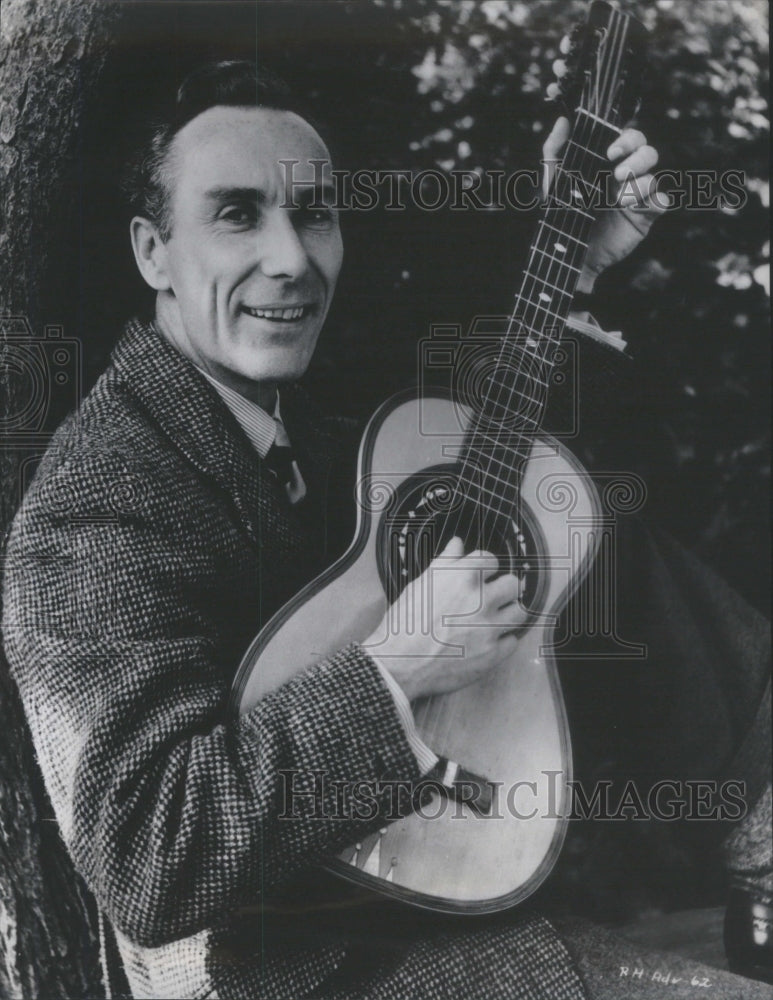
[{"x": 149, "y": 550}]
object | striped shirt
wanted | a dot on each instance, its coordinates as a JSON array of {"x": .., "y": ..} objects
[{"x": 261, "y": 429}]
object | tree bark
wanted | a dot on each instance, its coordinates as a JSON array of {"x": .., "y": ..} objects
[{"x": 52, "y": 55}]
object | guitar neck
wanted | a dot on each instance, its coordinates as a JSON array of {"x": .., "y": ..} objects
[
  {"x": 557, "y": 252},
  {"x": 512, "y": 409},
  {"x": 509, "y": 410}
]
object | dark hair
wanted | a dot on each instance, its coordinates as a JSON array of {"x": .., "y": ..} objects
[{"x": 233, "y": 83}]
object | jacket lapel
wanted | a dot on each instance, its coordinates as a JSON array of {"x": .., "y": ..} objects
[{"x": 194, "y": 418}]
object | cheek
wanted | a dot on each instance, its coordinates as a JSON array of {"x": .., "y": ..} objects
[
  {"x": 327, "y": 254},
  {"x": 337, "y": 258}
]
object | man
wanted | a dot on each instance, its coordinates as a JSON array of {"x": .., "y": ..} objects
[{"x": 161, "y": 532}]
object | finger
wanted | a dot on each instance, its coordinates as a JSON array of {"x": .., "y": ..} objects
[
  {"x": 565, "y": 45},
  {"x": 553, "y": 90},
  {"x": 642, "y": 194},
  {"x": 551, "y": 151},
  {"x": 629, "y": 140},
  {"x": 559, "y": 68},
  {"x": 638, "y": 163},
  {"x": 512, "y": 616},
  {"x": 454, "y": 549},
  {"x": 555, "y": 141},
  {"x": 503, "y": 590},
  {"x": 484, "y": 562}
]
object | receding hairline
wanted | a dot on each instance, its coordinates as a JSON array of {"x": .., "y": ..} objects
[{"x": 167, "y": 171}]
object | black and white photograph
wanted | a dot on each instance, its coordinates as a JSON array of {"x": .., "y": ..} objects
[{"x": 385, "y": 509}]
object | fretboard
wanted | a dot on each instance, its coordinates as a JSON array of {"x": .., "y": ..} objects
[{"x": 512, "y": 406}]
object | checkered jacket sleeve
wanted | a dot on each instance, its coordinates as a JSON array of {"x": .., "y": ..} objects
[{"x": 115, "y": 632}]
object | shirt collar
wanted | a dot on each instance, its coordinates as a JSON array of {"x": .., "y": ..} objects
[{"x": 258, "y": 425}]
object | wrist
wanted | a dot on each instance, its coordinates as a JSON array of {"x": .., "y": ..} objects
[{"x": 392, "y": 664}]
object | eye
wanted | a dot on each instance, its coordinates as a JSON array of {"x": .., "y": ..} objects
[
  {"x": 238, "y": 215},
  {"x": 315, "y": 217}
]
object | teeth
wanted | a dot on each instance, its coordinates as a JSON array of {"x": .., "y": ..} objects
[{"x": 284, "y": 314}]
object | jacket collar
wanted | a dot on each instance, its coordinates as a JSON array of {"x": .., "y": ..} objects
[{"x": 194, "y": 418}]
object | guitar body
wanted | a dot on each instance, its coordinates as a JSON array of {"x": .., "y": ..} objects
[
  {"x": 430, "y": 469},
  {"x": 509, "y": 727}
]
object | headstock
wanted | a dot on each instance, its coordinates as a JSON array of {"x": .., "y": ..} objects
[{"x": 604, "y": 66}]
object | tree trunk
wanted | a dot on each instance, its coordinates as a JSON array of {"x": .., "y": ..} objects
[{"x": 51, "y": 58}]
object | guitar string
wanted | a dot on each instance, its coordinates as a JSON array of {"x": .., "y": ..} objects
[
  {"x": 527, "y": 295},
  {"x": 535, "y": 312},
  {"x": 617, "y": 24},
  {"x": 528, "y": 292},
  {"x": 529, "y": 305},
  {"x": 435, "y": 709},
  {"x": 618, "y": 32},
  {"x": 579, "y": 223}
]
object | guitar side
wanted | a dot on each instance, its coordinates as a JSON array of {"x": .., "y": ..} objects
[{"x": 510, "y": 727}]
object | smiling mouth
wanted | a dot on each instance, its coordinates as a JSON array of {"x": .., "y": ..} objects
[{"x": 290, "y": 314}]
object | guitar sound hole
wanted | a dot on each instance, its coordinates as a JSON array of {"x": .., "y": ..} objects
[{"x": 428, "y": 511}]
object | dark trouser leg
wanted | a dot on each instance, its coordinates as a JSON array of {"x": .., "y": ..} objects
[
  {"x": 697, "y": 708},
  {"x": 693, "y": 707}
]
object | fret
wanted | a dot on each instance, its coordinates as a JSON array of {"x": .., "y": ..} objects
[
  {"x": 510, "y": 482},
  {"x": 517, "y": 345},
  {"x": 561, "y": 233},
  {"x": 539, "y": 357},
  {"x": 572, "y": 208},
  {"x": 499, "y": 511},
  {"x": 601, "y": 121},
  {"x": 478, "y": 481},
  {"x": 510, "y": 412},
  {"x": 472, "y": 489},
  {"x": 497, "y": 443},
  {"x": 542, "y": 281},
  {"x": 498, "y": 440},
  {"x": 507, "y": 491},
  {"x": 530, "y": 375},
  {"x": 514, "y": 422},
  {"x": 517, "y": 348},
  {"x": 563, "y": 263},
  {"x": 539, "y": 333},
  {"x": 585, "y": 149},
  {"x": 549, "y": 311},
  {"x": 560, "y": 171}
]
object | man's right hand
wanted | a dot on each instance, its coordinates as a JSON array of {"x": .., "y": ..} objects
[{"x": 451, "y": 625}]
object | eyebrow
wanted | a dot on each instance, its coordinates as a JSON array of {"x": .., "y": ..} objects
[
  {"x": 235, "y": 194},
  {"x": 324, "y": 192}
]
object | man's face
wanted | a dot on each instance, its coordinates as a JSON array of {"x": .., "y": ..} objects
[{"x": 251, "y": 273}]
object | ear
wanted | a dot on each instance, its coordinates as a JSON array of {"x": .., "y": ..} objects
[{"x": 150, "y": 253}]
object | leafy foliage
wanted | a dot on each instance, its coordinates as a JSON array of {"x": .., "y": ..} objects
[{"x": 418, "y": 84}]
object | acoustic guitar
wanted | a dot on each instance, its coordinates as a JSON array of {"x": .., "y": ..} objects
[{"x": 490, "y": 823}]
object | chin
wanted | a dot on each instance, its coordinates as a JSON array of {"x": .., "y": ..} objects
[
  {"x": 279, "y": 366},
  {"x": 274, "y": 373}
]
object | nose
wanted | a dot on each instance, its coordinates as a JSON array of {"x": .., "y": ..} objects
[{"x": 283, "y": 254}]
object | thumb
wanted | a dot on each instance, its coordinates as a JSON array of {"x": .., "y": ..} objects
[
  {"x": 454, "y": 549},
  {"x": 551, "y": 151}
]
